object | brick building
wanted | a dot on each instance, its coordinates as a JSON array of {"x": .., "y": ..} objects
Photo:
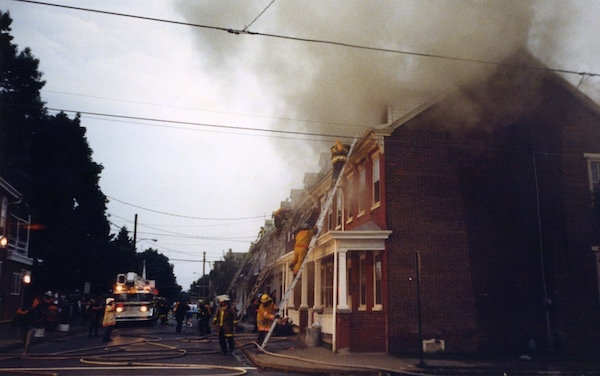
[
  {"x": 490, "y": 186},
  {"x": 465, "y": 221}
]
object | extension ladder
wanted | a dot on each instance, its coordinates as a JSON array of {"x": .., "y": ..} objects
[{"x": 313, "y": 241}]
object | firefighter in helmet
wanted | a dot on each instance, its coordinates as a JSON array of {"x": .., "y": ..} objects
[
  {"x": 267, "y": 313},
  {"x": 303, "y": 238}
]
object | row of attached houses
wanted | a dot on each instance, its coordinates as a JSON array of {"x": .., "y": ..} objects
[
  {"x": 15, "y": 263},
  {"x": 463, "y": 224}
]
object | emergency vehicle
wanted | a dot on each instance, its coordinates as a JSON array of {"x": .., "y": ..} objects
[{"x": 135, "y": 299}]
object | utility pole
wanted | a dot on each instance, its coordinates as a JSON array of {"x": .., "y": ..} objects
[
  {"x": 135, "y": 232},
  {"x": 203, "y": 273}
]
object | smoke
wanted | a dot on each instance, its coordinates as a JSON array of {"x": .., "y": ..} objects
[{"x": 337, "y": 90}]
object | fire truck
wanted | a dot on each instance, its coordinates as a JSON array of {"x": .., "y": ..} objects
[{"x": 135, "y": 299}]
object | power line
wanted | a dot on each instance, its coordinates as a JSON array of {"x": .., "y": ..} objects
[
  {"x": 184, "y": 216},
  {"x": 319, "y": 41},
  {"x": 207, "y": 125},
  {"x": 207, "y": 110},
  {"x": 260, "y": 14}
]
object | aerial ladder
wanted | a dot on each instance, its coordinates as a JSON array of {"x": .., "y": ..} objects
[{"x": 319, "y": 225}]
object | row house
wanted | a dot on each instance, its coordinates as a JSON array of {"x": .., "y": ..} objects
[
  {"x": 465, "y": 223},
  {"x": 15, "y": 263}
]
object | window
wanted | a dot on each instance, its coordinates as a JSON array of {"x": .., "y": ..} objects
[
  {"x": 15, "y": 284},
  {"x": 350, "y": 197},
  {"x": 327, "y": 283},
  {"x": 593, "y": 161},
  {"x": 362, "y": 283},
  {"x": 595, "y": 176},
  {"x": 339, "y": 209},
  {"x": 376, "y": 192},
  {"x": 377, "y": 266},
  {"x": 362, "y": 188},
  {"x": 3, "y": 214}
]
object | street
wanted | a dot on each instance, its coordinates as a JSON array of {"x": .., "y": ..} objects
[{"x": 135, "y": 350}]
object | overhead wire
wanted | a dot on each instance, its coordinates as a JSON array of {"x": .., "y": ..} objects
[
  {"x": 183, "y": 216},
  {"x": 332, "y": 123},
  {"x": 319, "y": 41},
  {"x": 260, "y": 14}
]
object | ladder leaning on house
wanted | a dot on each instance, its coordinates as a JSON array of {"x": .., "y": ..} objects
[
  {"x": 326, "y": 206},
  {"x": 273, "y": 244}
]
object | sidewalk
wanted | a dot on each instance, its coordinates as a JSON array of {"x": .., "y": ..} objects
[
  {"x": 291, "y": 354},
  {"x": 11, "y": 339}
]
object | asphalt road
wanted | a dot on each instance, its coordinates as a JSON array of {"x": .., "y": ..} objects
[{"x": 135, "y": 350}]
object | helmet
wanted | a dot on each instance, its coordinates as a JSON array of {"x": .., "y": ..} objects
[
  {"x": 109, "y": 300},
  {"x": 48, "y": 294},
  {"x": 305, "y": 226},
  {"x": 265, "y": 298},
  {"x": 223, "y": 298}
]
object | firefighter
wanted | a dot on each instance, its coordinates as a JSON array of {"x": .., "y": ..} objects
[
  {"x": 225, "y": 321},
  {"x": 280, "y": 216},
  {"x": 267, "y": 313},
  {"x": 303, "y": 237},
  {"x": 109, "y": 320}
]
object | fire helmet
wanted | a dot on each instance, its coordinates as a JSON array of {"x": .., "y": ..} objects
[{"x": 265, "y": 298}]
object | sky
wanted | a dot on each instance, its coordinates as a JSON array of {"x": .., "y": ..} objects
[{"x": 203, "y": 132}]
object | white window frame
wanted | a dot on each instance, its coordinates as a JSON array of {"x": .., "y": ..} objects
[
  {"x": 15, "y": 283},
  {"x": 327, "y": 284},
  {"x": 3, "y": 215},
  {"x": 376, "y": 174},
  {"x": 377, "y": 306},
  {"x": 362, "y": 282},
  {"x": 349, "y": 198},
  {"x": 362, "y": 190},
  {"x": 593, "y": 165}
]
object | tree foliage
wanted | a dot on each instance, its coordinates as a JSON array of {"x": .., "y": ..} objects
[
  {"x": 224, "y": 272},
  {"x": 48, "y": 159},
  {"x": 158, "y": 268}
]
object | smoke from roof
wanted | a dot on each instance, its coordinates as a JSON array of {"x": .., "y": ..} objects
[{"x": 332, "y": 89}]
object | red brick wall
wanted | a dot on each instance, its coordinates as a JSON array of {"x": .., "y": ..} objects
[{"x": 461, "y": 189}]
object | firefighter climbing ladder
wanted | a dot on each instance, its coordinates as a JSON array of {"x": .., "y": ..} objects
[{"x": 326, "y": 206}]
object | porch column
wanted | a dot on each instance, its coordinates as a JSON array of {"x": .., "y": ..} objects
[
  {"x": 342, "y": 280},
  {"x": 304, "y": 292},
  {"x": 318, "y": 304},
  {"x": 289, "y": 277}
]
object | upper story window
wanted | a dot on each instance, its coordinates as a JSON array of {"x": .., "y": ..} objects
[
  {"x": 594, "y": 171},
  {"x": 362, "y": 189},
  {"x": 376, "y": 181},
  {"x": 3, "y": 214},
  {"x": 350, "y": 197},
  {"x": 15, "y": 284},
  {"x": 339, "y": 212}
]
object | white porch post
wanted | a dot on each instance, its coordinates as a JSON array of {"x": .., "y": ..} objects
[
  {"x": 304, "y": 292},
  {"x": 289, "y": 277},
  {"x": 342, "y": 278},
  {"x": 318, "y": 304}
]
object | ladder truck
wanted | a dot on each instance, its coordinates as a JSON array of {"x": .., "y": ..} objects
[{"x": 135, "y": 299}]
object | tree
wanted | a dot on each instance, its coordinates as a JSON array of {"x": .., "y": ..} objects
[
  {"x": 223, "y": 272},
  {"x": 158, "y": 268},
  {"x": 48, "y": 159}
]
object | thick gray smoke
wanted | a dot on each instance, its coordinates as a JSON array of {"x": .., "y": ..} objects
[
  {"x": 326, "y": 83},
  {"x": 339, "y": 90}
]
